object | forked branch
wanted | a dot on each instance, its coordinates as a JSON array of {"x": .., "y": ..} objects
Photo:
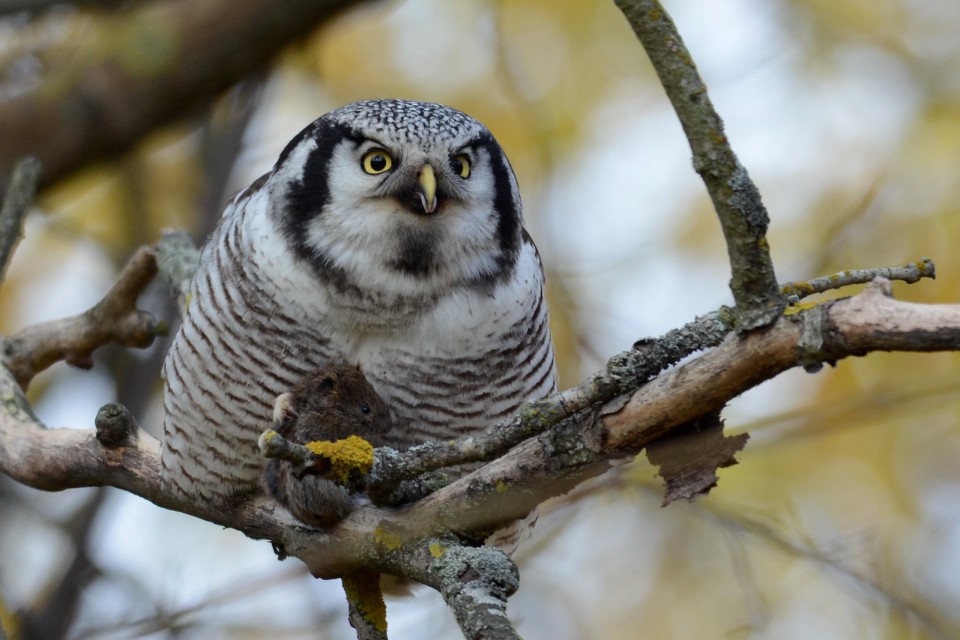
[{"x": 115, "y": 319}]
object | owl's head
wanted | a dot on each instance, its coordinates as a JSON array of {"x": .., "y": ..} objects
[{"x": 402, "y": 197}]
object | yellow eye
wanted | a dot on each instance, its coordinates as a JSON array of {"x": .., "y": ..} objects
[
  {"x": 376, "y": 161},
  {"x": 461, "y": 166}
]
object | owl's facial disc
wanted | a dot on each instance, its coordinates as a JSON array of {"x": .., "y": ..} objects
[{"x": 401, "y": 198}]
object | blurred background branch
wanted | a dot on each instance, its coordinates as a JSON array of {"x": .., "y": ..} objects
[
  {"x": 36, "y": 6},
  {"x": 145, "y": 68},
  {"x": 15, "y": 205}
]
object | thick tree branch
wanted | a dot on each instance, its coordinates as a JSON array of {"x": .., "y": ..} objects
[
  {"x": 869, "y": 321},
  {"x": 736, "y": 199},
  {"x": 146, "y": 68},
  {"x": 117, "y": 454},
  {"x": 115, "y": 319}
]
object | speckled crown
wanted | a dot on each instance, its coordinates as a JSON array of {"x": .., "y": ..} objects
[{"x": 409, "y": 120}]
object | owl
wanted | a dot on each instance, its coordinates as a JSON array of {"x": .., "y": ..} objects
[{"x": 388, "y": 235}]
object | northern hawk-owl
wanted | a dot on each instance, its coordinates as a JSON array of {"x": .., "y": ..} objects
[{"x": 389, "y": 234}]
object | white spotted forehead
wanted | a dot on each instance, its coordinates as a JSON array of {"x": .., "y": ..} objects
[{"x": 408, "y": 120}]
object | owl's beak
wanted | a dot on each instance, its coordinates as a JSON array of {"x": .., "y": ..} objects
[{"x": 427, "y": 189}]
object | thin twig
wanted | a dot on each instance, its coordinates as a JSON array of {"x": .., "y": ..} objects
[
  {"x": 232, "y": 593},
  {"x": 865, "y": 584},
  {"x": 909, "y": 273},
  {"x": 16, "y": 203},
  {"x": 735, "y": 198}
]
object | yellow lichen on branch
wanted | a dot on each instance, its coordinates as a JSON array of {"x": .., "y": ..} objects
[
  {"x": 366, "y": 600},
  {"x": 797, "y": 307},
  {"x": 387, "y": 540},
  {"x": 348, "y": 457}
]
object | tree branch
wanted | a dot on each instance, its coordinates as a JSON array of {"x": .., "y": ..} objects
[
  {"x": 624, "y": 372},
  {"x": 16, "y": 204},
  {"x": 582, "y": 446},
  {"x": 475, "y": 582},
  {"x": 570, "y": 450},
  {"x": 577, "y": 443},
  {"x": 735, "y": 198},
  {"x": 367, "y": 610},
  {"x": 115, "y": 319},
  {"x": 118, "y": 454},
  {"x": 869, "y": 321},
  {"x": 909, "y": 273},
  {"x": 144, "y": 69},
  {"x": 36, "y": 6}
]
